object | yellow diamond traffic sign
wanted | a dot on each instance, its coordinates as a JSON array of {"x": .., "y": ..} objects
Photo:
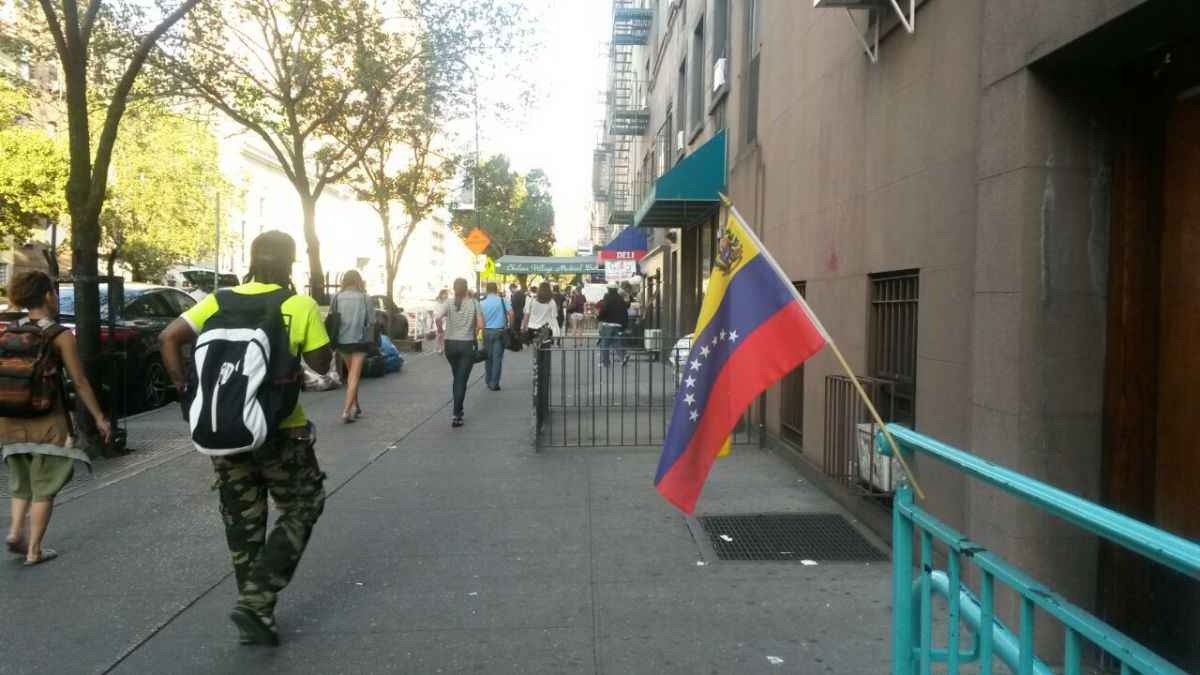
[{"x": 478, "y": 241}]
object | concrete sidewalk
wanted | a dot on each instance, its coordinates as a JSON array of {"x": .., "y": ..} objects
[{"x": 447, "y": 550}]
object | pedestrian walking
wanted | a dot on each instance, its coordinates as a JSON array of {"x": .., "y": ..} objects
[
  {"x": 354, "y": 337},
  {"x": 560, "y": 301},
  {"x": 575, "y": 312},
  {"x": 613, "y": 316},
  {"x": 542, "y": 317},
  {"x": 283, "y": 464},
  {"x": 517, "y": 300},
  {"x": 35, "y": 425},
  {"x": 459, "y": 321},
  {"x": 497, "y": 317}
]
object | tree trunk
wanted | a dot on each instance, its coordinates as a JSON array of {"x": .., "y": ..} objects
[
  {"x": 391, "y": 263},
  {"x": 112, "y": 264},
  {"x": 85, "y": 243},
  {"x": 316, "y": 274}
]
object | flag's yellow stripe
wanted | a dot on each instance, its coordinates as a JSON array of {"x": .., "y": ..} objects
[{"x": 719, "y": 281}]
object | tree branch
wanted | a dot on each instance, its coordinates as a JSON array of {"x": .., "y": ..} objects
[
  {"x": 89, "y": 20},
  {"x": 56, "y": 31},
  {"x": 116, "y": 107}
]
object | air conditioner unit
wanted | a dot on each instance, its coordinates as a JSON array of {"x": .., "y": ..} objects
[
  {"x": 719, "y": 73},
  {"x": 680, "y": 141}
]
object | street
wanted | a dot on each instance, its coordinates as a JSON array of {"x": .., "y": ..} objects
[{"x": 441, "y": 550}]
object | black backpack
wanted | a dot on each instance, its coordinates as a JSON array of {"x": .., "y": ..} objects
[{"x": 245, "y": 379}]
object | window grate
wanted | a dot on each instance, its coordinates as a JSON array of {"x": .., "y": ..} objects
[
  {"x": 792, "y": 400},
  {"x": 894, "y": 303}
]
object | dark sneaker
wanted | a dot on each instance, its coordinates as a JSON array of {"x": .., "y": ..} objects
[
  {"x": 456, "y": 421},
  {"x": 254, "y": 628}
]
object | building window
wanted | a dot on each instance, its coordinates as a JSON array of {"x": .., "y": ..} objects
[
  {"x": 893, "y": 339},
  {"x": 791, "y": 404},
  {"x": 681, "y": 90},
  {"x": 719, "y": 84},
  {"x": 750, "y": 91},
  {"x": 696, "y": 112},
  {"x": 4, "y": 275},
  {"x": 664, "y": 142},
  {"x": 720, "y": 29}
]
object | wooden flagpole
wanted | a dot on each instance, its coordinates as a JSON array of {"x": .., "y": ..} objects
[{"x": 912, "y": 479}]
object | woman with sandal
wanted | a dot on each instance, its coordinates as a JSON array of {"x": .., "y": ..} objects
[
  {"x": 542, "y": 316},
  {"x": 354, "y": 337},
  {"x": 37, "y": 449}
]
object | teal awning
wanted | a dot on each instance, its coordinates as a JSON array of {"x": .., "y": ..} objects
[
  {"x": 527, "y": 264},
  {"x": 688, "y": 193}
]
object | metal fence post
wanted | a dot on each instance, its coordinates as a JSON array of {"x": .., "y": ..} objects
[{"x": 902, "y": 601}]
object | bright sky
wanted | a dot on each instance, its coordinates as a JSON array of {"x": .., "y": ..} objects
[{"x": 558, "y": 134}]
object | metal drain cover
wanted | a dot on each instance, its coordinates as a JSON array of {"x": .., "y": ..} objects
[{"x": 791, "y": 537}]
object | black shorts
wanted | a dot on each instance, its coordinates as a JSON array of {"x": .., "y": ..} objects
[{"x": 355, "y": 348}]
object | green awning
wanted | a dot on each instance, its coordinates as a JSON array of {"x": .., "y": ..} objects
[
  {"x": 688, "y": 193},
  {"x": 527, "y": 264}
]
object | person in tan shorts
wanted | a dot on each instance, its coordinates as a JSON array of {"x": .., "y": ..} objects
[{"x": 38, "y": 449}]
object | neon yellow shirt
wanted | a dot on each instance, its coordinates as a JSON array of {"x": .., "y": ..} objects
[{"x": 306, "y": 330}]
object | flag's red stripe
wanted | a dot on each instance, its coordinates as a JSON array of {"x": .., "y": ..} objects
[{"x": 774, "y": 349}]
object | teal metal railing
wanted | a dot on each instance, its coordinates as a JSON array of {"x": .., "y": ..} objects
[{"x": 913, "y": 650}]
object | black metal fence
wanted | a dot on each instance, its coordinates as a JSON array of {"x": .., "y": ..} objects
[
  {"x": 849, "y": 455},
  {"x": 610, "y": 392}
]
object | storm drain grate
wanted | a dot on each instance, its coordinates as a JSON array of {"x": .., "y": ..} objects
[{"x": 794, "y": 537}]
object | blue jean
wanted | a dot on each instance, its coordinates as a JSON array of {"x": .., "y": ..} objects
[
  {"x": 610, "y": 342},
  {"x": 461, "y": 355},
  {"x": 493, "y": 342}
]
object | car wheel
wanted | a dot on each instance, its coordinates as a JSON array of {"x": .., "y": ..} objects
[{"x": 156, "y": 386}]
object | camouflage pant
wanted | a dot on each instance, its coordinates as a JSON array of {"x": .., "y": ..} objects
[{"x": 287, "y": 469}]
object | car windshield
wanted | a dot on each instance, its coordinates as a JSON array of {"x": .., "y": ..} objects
[{"x": 66, "y": 299}]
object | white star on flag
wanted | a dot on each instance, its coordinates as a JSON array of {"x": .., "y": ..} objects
[
  {"x": 694, "y": 416},
  {"x": 689, "y": 399},
  {"x": 723, "y": 335},
  {"x": 715, "y": 339},
  {"x": 704, "y": 351},
  {"x": 733, "y": 336},
  {"x": 691, "y": 382},
  {"x": 695, "y": 365}
]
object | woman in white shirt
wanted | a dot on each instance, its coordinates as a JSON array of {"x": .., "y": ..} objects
[{"x": 541, "y": 314}]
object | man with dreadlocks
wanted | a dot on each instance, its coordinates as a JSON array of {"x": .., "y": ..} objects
[{"x": 284, "y": 467}]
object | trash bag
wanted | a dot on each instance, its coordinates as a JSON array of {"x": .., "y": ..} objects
[
  {"x": 392, "y": 359},
  {"x": 374, "y": 366},
  {"x": 313, "y": 381}
]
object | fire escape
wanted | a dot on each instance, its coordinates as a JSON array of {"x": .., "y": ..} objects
[{"x": 627, "y": 114}]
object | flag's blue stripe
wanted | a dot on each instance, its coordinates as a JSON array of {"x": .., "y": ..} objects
[{"x": 754, "y": 294}]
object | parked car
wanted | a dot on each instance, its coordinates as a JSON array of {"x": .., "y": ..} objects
[
  {"x": 146, "y": 311},
  {"x": 198, "y": 281},
  {"x": 389, "y": 318}
]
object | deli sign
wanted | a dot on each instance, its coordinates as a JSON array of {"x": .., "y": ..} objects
[{"x": 622, "y": 255}]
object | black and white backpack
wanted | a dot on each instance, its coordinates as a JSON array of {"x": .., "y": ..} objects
[{"x": 245, "y": 379}]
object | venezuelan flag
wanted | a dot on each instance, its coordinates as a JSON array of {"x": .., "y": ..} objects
[{"x": 753, "y": 329}]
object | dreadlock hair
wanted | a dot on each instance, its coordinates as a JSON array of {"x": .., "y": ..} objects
[{"x": 271, "y": 256}]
